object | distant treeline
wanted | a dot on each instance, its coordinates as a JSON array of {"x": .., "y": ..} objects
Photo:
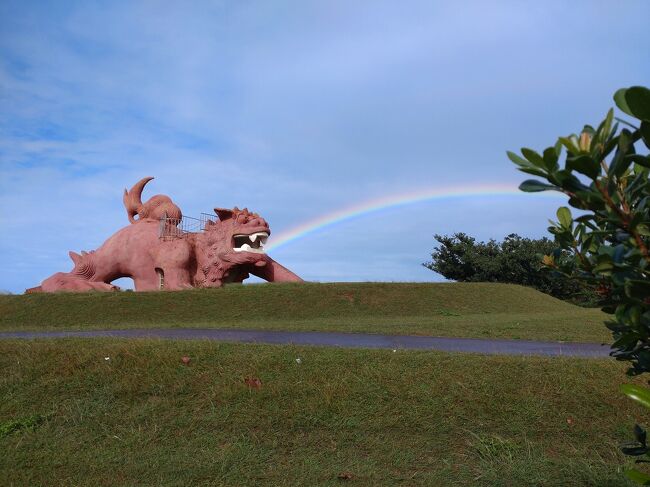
[{"x": 516, "y": 260}]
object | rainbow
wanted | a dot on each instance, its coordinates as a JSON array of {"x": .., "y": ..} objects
[{"x": 396, "y": 200}]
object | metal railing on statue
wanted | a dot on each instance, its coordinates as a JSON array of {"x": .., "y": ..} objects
[{"x": 172, "y": 228}]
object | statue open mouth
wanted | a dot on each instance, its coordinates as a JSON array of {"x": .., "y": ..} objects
[{"x": 250, "y": 243}]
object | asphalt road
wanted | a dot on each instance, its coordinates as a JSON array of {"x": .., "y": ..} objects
[{"x": 344, "y": 340}]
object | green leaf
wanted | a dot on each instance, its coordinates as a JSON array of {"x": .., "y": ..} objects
[
  {"x": 639, "y": 159},
  {"x": 603, "y": 268},
  {"x": 584, "y": 164},
  {"x": 533, "y": 157},
  {"x": 627, "y": 340},
  {"x": 606, "y": 126},
  {"x": 534, "y": 186},
  {"x": 637, "y": 289},
  {"x": 638, "y": 477},
  {"x": 569, "y": 181},
  {"x": 550, "y": 157},
  {"x": 520, "y": 161},
  {"x": 621, "y": 102},
  {"x": 585, "y": 218},
  {"x": 564, "y": 217},
  {"x": 645, "y": 133},
  {"x": 610, "y": 145},
  {"x": 535, "y": 171},
  {"x": 619, "y": 163},
  {"x": 634, "y": 451},
  {"x": 637, "y": 393},
  {"x": 638, "y": 101},
  {"x": 570, "y": 143},
  {"x": 643, "y": 229}
]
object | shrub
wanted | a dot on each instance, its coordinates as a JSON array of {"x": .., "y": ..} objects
[
  {"x": 515, "y": 260},
  {"x": 608, "y": 244}
]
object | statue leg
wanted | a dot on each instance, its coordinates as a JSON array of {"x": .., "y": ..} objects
[
  {"x": 163, "y": 279},
  {"x": 176, "y": 279},
  {"x": 274, "y": 272},
  {"x": 146, "y": 280}
]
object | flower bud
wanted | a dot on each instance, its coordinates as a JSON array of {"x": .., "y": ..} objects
[{"x": 585, "y": 141}]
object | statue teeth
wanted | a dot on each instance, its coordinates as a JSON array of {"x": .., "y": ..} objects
[
  {"x": 248, "y": 248},
  {"x": 262, "y": 236},
  {"x": 252, "y": 245}
]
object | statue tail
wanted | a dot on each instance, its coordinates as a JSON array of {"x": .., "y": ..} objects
[{"x": 133, "y": 198}]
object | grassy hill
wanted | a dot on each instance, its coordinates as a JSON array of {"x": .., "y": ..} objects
[
  {"x": 130, "y": 412},
  {"x": 70, "y": 416},
  {"x": 439, "y": 309}
]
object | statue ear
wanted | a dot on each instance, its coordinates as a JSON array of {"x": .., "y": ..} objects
[
  {"x": 76, "y": 258},
  {"x": 223, "y": 213}
]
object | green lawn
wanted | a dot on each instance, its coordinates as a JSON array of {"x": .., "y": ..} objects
[
  {"x": 438, "y": 309},
  {"x": 70, "y": 417}
]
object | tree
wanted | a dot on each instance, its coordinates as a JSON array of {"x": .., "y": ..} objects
[
  {"x": 608, "y": 246},
  {"x": 516, "y": 260}
]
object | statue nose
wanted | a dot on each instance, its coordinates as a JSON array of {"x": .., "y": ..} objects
[{"x": 258, "y": 221}]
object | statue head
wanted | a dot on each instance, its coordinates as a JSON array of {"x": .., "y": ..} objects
[
  {"x": 244, "y": 230},
  {"x": 233, "y": 244}
]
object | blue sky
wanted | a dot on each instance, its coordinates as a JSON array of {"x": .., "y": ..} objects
[{"x": 295, "y": 110}]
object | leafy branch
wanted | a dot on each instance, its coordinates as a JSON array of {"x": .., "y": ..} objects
[{"x": 608, "y": 244}]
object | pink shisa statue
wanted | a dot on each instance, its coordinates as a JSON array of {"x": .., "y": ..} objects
[{"x": 157, "y": 252}]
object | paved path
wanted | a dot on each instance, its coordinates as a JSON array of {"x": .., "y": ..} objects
[{"x": 345, "y": 340}]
